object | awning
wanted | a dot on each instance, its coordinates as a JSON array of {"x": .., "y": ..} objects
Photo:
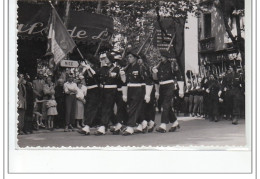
[{"x": 33, "y": 19}]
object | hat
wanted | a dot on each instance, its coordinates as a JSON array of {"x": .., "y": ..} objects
[
  {"x": 71, "y": 75},
  {"x": 165, "y": 54},
  {"x": 133, "y": 53},
  {"x": 107, "y": 55}
]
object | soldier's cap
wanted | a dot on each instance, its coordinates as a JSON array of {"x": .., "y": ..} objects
[
  {"x": 107, "y": 55},
  {"x": 71, "y": 75},
  {"x": 132, "y": 53},
  {"x": 40, "y": 72},
  {"x": 60, "y": 80},
  {"x": 165, "y": 54}
]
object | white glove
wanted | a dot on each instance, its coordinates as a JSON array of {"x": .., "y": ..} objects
[
  {"x": 124, "y": 98},
  {"x": 225, "y": 89},
  {"x": 207, "y": 90},
  {"x": 87, "y": 66},
  {"x": 219, "y": 93},
  {"x": 147, "y": 99},
  {"x": 122, "y": 72},
  {"x": 157, "y": 95},
  {"x": 221, "y": 100},
  {"x": 155, "y": 70}
]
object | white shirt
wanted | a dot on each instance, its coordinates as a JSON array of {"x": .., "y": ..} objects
[
  {"x": 81, "y": 92},
  {"x": 69, "y": 87}
]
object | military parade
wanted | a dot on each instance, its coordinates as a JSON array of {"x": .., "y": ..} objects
[{"x": 118, "y": 75}]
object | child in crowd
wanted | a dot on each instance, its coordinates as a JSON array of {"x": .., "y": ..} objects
[
  {"x": 80, "y": 96},
  {"x": 51, "y": 111}
]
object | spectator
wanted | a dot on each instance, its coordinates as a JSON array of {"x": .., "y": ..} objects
[
  {"x": 51, "y": 112},
  {"x": 21, "y": 103},
  {"x": 70, "y": 89},
  {"x": 79, "y": 111},
  {"x": 28, "y": 120},
  {"x": 60, "y": 99},
  {"x": 48, "y": 91}
]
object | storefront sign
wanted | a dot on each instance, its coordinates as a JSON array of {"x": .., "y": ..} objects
[{"x": 69, "y": 64}]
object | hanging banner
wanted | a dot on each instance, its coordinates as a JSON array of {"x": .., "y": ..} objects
[
  {"x": 69, "y": 64},
  {"x": 82, "y": 26}
]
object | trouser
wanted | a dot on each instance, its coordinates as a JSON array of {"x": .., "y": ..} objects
[
  {"x": 186, "y": 104},
  {"x": 198, "y": 104},
  {"x": 149, "y": 108},
  {"x": 92, "y": 106},
  {"x": 141, "y": 118},
  {"x": 21, "y": 113},
  {"x": 213, "y": 112},
  {"x": 59, "y": 121},
  {"x": 121, "y": 114},
  {"x": 191, "y": 98},
  {"x": 135, "y": 100},
  {"x": 70, "y": 102},
  {"x": 28, "y": 123},
  {"x": 206, "y": 103},
  {"x": 108, "y": 101},
  {"x": 237, "y": 98},
  {"x": 166, "y": 93}
]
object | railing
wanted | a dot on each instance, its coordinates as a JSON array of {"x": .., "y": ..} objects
[{"x": 207, "y": 44}]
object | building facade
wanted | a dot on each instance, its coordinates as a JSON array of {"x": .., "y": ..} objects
[{"x": 216, "y": 50}]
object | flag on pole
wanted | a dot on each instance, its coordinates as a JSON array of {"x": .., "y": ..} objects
[{"x": 60, "y": 41}]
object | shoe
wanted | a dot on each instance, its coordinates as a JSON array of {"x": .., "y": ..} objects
[
  {"x": 112, "y": 128},
  {"x": 97, "y": 133},
  {"x": 51, "y": 129},
  {"x": 152, "y": 128},
  {"x": 137, "y": 131},
  {"x": 66, "y": 129},
  {"x": 116, "y": 132},
  {"x": 161, "y": 130},
  {"x": 20, "y": 133},
  {"x": 125, "y": 133},
  {"x": 235, "y": 122},
  {"x": 71, "y": 128},
  {"x": 145, "y": 130},
  {"x": 173, "y": 129},
  {"x": 78, "y": 126},
  {"x": 83, "y": 132}
]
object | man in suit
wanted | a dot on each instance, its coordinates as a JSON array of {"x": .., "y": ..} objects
[{"x": 21, "y": 103}]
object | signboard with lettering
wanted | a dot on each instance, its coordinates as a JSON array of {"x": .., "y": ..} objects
[
  {"x": 69, "y": 64},
  {"x": 82, "y": 26}
]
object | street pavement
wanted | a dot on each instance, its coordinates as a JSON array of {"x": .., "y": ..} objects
[{"x": 194, "y": 131}]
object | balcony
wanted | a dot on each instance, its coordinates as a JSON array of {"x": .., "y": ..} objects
[{"x": 207, "y": 45}]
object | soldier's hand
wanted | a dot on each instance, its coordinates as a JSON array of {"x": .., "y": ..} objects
[
  {"x": 147, "y": 99},
  {"x": 157, "y": 95},
  {"x": 220, "y": 100},
  {"x": 122, "y": 73},
  {"x": 124, "y": 98},
  {"x": 207, "y": 90},
  {"x": 154, "y": 70}
]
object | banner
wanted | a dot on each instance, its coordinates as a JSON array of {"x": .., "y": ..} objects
[{"x": 60, "y": 41}]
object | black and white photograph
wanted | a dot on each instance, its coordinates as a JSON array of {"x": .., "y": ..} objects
[{"x": 131, "y": 73}]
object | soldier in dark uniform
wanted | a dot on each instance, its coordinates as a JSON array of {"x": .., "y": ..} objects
[
  {"x": 109, "y": 77},
  {"x": 148, "y": 108},
  {"x": 206, "y": 98},
  {"x": 198, "y": 98},
  {"x": 121, "y": 116},
  {"x": 187, "y": 89},
  {"x": 213, "y": 91},
  {"x": 92, "y": 98},
  {"x": 134, "y": 95},
  {"x": 233, "y": 94},
  {"x": 165, "y": 75}
]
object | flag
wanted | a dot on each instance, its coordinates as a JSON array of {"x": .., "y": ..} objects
[{"x": 60, "y": 41}]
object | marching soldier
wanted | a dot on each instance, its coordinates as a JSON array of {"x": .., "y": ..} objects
[
  {"x": 165, "y": 75},
  {"x": 92, "y": 98},
  {"x": 198, "y": 98},
  {"x": 134, "y": 76},
  {"x": 233, "y": 94},
  {"x": 213, "y": 91}
]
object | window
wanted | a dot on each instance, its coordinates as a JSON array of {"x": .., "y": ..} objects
[{"x": 207, "y": 25}]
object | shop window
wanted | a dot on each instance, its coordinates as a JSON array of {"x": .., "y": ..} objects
[{"x": 207, "y": 25}]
